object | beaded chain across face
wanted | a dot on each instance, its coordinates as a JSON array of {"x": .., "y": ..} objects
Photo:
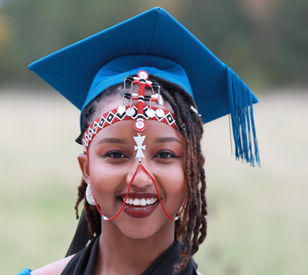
[{"x": 139, "y": 113}]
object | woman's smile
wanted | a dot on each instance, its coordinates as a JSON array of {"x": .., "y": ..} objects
[{"x": 139, "y": 205}]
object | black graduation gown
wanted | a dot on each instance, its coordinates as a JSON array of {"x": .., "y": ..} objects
[{"x": 82, "y": 263}]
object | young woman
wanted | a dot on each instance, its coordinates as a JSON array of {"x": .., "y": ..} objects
[{"x": 137, "y": 85}]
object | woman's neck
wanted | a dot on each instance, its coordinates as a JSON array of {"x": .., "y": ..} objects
[{"x": 119, "y": 254}]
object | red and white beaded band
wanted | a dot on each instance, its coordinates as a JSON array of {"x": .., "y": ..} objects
[{"x": 113, "y": 116}]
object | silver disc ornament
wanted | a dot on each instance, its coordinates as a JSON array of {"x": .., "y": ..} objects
[
  {"x": 121, "y": 109},
  {"x": 139, "y": 125},
  {"x": 160, "y": 113},
  {"x": 130, "y": 112},
  {"x": 150, "y": 113}
]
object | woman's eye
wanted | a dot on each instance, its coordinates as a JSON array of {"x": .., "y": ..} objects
[
  {"x": 115, "y": 154},
  {"x": 166, "y": 155}
]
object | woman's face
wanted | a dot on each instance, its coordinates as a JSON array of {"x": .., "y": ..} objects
[{"x": 113, "y": 162}]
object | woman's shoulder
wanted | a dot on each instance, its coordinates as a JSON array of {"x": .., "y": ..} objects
[{"x": 50, "y": 269}]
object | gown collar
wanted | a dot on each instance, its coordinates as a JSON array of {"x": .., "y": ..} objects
[{"x": 83, "y": 262}]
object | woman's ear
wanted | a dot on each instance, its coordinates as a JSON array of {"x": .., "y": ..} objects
[{"x": 83, "y": 164}]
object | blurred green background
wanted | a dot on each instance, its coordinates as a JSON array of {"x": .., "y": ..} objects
[{"x": 257, "y": 217}]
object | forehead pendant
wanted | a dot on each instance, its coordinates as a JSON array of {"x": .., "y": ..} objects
[
  {"x": 139, "y": 140},
  {"x": 140, "y": 124}
]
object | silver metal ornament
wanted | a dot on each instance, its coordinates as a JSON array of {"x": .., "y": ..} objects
[
  {"x": 121, "y": 109},
  {"x": 150, "y": 113},
  {"x": 130, "y": 112},
  {"x": 89, "y": 195},
  {"x": 160, "y": 113}
]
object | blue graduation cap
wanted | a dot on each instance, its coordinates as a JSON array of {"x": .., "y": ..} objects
[{"x": 157, "y": 43}]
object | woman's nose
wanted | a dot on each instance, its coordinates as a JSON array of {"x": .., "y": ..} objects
[{"x": 139, "y": 178}]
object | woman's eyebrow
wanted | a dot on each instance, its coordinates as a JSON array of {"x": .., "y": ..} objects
[
  {"x": 166, "y": 139},
  {"x": 113, "y": 140}
]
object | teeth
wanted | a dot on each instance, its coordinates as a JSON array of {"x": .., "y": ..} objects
[{"x": 142, "y": 201}]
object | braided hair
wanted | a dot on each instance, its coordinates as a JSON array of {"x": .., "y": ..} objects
[{"x": 191, "y": 227}]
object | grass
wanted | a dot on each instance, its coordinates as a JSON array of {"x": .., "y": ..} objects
[{"x": 257, "y": 222}]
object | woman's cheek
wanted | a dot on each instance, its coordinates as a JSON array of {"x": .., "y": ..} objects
[
  {"x": 173, "y": 182},
  {"x": 106, "y": 180}
]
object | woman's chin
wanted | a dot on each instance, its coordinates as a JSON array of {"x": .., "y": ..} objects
[
  {"x": 140, "y": 235},
  {"x": 144, "y": 228},
  {"x": 139, "y": 231}
]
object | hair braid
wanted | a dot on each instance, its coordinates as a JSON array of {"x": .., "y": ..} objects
[
  {"x": 194, "y": 214},
  {"x": 81, "y": 193},
  {"x": 191, "y": 227}
]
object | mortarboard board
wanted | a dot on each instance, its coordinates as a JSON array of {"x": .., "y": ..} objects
[{"x": 154, "y": 41}]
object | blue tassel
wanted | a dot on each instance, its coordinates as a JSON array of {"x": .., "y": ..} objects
[{"x": 243, "y": 126}]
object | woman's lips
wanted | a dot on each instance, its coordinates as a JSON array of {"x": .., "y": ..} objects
[{"x": 139, "y": 205}]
